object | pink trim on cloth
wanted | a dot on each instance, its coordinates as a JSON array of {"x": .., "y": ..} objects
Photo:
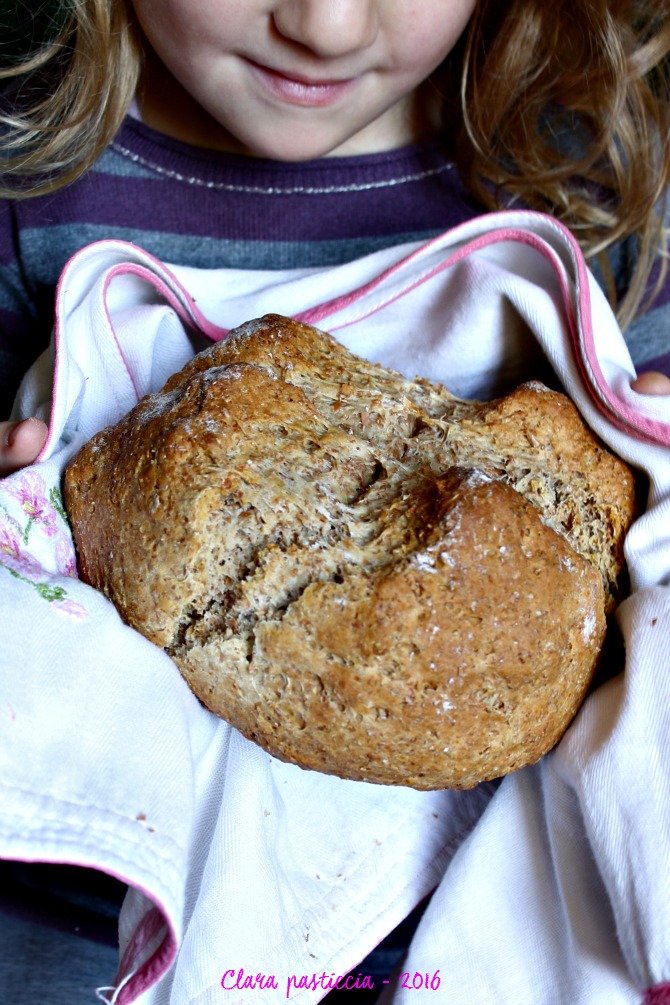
[
  {"x": 618, "y": 412},
  {"x": 150, "y": 970},
  {"x": 149, "y": 964},
  {"x": 581, "y": 335},
  {"x": 181, "y": 302},
  {"x": 193, "y": 315},
  {"x": 658, "y": 995},
  {"x": 320, "y": 313}
]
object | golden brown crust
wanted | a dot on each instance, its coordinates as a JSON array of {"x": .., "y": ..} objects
[{"x": 363, "y": 574}]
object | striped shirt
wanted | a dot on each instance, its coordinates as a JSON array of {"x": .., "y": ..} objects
[{"x": 207, "y": 209}]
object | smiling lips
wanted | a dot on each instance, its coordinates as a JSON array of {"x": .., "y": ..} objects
[{"x": 308, "y": 93}]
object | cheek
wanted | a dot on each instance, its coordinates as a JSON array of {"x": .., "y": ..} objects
[
  {"x": 174, "y": 27},
  {"x": 432, "y": 30}
]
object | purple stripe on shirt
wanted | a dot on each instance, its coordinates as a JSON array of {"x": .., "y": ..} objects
[{"x": 318, "y": 201}]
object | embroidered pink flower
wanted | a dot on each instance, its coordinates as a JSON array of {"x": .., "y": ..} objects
[
  {"x": 71, "y": 608},
  {"x": 10, "y": 544},
  {"x": 20, "y": 563},
  {"x": 46, "y": 513},
  {"x": 12, "y": 555},
  {"x": 29, "y": 489},
  {"x": 65, "y": 557}
]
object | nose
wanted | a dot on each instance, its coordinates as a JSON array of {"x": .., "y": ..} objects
[{"x": 328, "y": 28}]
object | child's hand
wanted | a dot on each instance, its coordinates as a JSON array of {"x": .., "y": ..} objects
[
  {"x": 20, "y": 443},
  {"x": 651, "y": 383}
]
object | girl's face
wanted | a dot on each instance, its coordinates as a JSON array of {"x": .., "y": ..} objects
[{"x": 293, "y": 79}]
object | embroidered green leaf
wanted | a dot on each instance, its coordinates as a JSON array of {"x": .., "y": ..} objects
[
  {"x": 45, "y": 591},
  {"x": 56, "y": 500}
]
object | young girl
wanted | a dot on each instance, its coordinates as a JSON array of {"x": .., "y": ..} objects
[{"x": 288, "y": 133}]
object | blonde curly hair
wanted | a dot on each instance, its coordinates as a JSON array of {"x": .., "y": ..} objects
[
  {"x": 563, "y": 108},
  {"x": 67, "y": 98},
  {"x": 566, "y": 109}
]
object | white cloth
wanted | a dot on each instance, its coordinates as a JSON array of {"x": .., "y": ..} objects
[{"x": 552, "y": 886}]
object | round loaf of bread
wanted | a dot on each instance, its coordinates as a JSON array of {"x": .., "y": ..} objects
[{"x": 363, "y": 574}]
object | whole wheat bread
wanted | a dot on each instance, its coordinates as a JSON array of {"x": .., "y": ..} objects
[{"x": 363, "y": 574}]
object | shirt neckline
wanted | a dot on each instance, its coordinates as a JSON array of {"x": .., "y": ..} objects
[{"x": 179, "y": 161}]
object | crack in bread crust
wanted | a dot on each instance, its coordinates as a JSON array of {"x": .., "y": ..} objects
[{"x": 305, "y": 533}]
